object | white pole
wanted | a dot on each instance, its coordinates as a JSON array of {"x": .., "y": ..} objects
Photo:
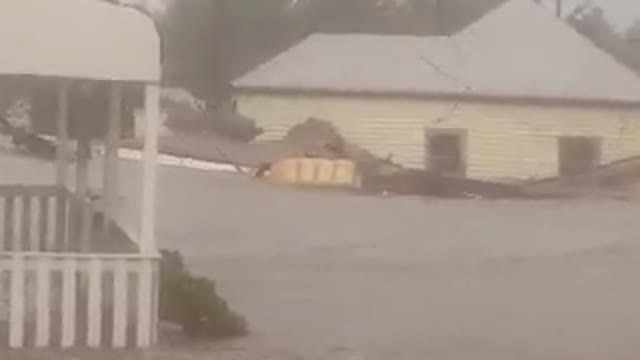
[
  {"x": 62, "y": 167},
  {"x": 110, "y": 171},
  {"x": 149, "y": 164},
  {"x": 62, "y": 133}
]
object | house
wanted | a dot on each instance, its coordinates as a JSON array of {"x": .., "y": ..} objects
[{"x": 517, "y": 95}]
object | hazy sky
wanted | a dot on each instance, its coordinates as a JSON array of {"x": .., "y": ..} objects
[
  {"x": 620, "y": 12},
  {"x": 155, "y": 5}
]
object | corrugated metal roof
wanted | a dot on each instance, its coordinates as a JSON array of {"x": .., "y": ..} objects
[
  {"x": 77, "y": 39},
  {"x": 517, "y": 50}
]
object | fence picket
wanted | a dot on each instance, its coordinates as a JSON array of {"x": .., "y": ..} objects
[
  {"x": 69, "y": 303},
  {"x": 120, "y": 301},
  {"x": 143, "y": 335},
  {"x": 9, "y": 205},
  {"x": 17, "y": 302},
  {"x": 43, "y": 312},
  {"x": 43, "y": 234},
  {"x": 94, "y": 315},
  {"x": 51, "y": 226},
  {"x": 25, "y": 223},
  {"x": 61, "y": 220},
  {"x": 155, "y": 321}
]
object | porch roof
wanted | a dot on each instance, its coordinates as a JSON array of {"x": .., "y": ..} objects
[{"x": 86, "y": 39}]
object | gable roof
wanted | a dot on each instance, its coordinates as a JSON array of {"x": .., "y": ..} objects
[{"x": 517, "y": 50}]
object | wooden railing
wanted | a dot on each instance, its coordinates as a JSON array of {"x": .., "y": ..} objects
[
  {"x": 51, "y": 219},
  {"x": 34, "y": 218},
  {"x": 67, "y": 300}
]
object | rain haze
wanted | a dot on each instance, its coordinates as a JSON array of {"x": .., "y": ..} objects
[
  {"x": 319, "y": 180},
  {"x": 621, "y": 12}
]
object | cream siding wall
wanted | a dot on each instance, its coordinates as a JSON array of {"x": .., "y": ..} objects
[{"x": 505, "y": 142}]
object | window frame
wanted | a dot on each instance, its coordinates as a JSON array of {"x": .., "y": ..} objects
[
  {"x": 462, "y": 134},
  {"x": 595, "y": 141}
]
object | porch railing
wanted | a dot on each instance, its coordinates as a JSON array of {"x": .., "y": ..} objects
[
  {"x": 51, "y": 219},
  {"x": 34, "y": 218},
  {"x": 62, "y": 283},
  {"x": 73, "y": 300}
]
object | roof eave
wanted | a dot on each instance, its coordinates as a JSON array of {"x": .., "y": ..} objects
[{"x": 472, "y": 97}]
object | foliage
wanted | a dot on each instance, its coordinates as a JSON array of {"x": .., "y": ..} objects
[
  {"x": 235, "y": 126},
  {"x": 192, "y": 302},
  {"x": 185, "y": 120},
  {"x": 594, "y": 25},
  {"x": 315, "y": 133}
]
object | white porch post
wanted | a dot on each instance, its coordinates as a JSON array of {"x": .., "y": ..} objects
[
  {"x": 62, "y": 134},
  {"x": 62, "y": 165},
  {"x": 110, "y": 171},
  {"x": 149, "y": 164},
  {"x": 78, "y": 222}
]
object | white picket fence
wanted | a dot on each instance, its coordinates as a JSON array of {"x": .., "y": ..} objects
[{"x": 68, "y": 300}]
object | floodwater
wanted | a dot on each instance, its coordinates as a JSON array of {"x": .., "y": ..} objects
[
  {"x": 332, "y": 276},
  {"x": 323, "y": 275}
]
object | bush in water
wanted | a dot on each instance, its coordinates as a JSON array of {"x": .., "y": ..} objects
[{"x": 192, "y": 302}]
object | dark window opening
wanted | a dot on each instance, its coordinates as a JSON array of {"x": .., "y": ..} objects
[
  {"x": 445, "y": 152},
  {"x": 578, "y": 155}
]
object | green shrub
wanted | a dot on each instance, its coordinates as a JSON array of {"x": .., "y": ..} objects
[{"x": 192, "y": 302}]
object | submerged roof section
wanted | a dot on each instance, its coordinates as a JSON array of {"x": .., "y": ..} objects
[
  {"x": 78, "y": 39},
  {"x": 517, "y": 50}
]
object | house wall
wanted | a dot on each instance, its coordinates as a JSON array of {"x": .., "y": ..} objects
[{"x": 505, "y": 142}]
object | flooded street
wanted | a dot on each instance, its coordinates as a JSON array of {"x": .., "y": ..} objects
[
  {"x": 332, "y": 276},
  {"x": 336, "y": 276}
]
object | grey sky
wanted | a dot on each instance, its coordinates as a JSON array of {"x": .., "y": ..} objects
[
  {"x": 155, "y": 5},
  {"x": 620, "y": 12}
]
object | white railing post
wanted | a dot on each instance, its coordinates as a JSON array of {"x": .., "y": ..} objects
[
  {"x": 43, "y": 311},
  {"x": 145, "y": 303},
  {"x": 69, "y": 302},
  {"x": 94, "y": 308},
  {"x": 62, "y": 134},
  {"x": 120, "y": 301},
  {"x": 155, "y": 321},
  {"x": 17, "y": 302},
  {"x": 110, "y": 172}
]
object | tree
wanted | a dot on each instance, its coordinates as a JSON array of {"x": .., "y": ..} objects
[
  {"x": 188, "y": 50},
  {"x": 632, "y": 39},
  {"x": 594, "y": 25}
]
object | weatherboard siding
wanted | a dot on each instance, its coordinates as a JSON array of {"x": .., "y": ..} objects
[{"x": 504, "y": 142}]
